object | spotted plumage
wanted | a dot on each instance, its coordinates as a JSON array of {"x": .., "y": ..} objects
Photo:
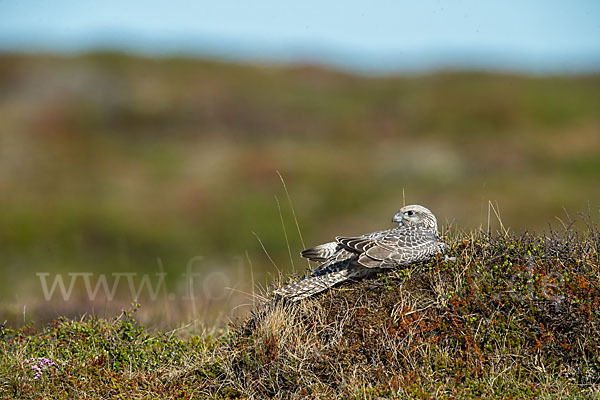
[{"x": 414, "y": 240}]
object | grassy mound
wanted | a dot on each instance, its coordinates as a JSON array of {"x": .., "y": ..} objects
[{"x": 512, "y": 317}]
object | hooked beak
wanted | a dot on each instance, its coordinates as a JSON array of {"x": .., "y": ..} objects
[{"x": 397, "y": 218}]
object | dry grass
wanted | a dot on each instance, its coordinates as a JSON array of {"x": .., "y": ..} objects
[
  {"x": 515, "y": 316},
  {"x": 110, "y": 162}
]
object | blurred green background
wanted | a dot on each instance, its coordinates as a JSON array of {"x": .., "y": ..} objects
[{"x": 112, "y": 163}]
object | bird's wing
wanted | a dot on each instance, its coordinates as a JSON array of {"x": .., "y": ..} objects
[
  {"x": 340, "y": 260},
  {"x": 321, "y": 252},
  {"x": 324, "y": 252},
  {"x": 393, "y": 247}
]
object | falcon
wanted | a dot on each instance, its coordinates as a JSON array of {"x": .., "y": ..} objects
[{"x": 414, "y": 240}]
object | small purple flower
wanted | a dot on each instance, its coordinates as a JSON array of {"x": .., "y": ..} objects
[{"x": 39, "y": 365}]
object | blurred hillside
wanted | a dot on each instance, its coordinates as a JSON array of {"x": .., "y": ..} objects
[{"x": 109, "y": 163}]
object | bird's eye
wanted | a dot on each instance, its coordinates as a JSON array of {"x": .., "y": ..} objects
[{"x": 409, "y": 213}]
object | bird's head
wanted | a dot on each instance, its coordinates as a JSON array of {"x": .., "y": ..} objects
[{"x": 415, "y": 215}]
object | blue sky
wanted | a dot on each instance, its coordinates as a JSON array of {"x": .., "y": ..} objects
[{"x": 379, "y": 35}]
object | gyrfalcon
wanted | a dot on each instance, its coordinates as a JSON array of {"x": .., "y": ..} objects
[{"x": 414, "y": 240}]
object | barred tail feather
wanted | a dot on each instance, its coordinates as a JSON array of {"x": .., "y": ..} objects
[{"x": 312, "y": 285}]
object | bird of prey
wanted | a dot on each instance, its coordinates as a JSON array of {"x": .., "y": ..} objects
[{"x": 414, "y": 240}]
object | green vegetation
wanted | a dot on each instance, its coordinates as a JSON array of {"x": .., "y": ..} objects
[
  {"x": 515, "y": 316},
  {"x": 116, "y": 164},
  {"x": 112, "y": 164}
]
